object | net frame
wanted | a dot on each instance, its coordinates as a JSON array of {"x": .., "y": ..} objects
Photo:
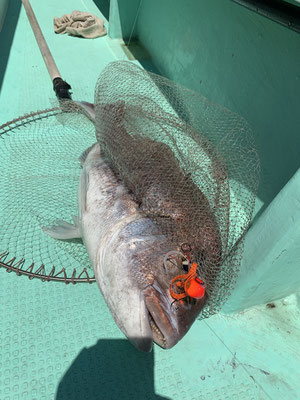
[{"x": 18, "y": 265}]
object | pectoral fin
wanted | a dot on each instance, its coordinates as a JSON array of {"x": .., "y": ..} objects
[{"x": 62, "y": 230}]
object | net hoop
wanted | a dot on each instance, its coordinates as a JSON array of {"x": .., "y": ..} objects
[{"x": 18, "y": 266}]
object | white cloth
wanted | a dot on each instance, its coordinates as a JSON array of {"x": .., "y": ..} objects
[{"x": 80, "y": 24}]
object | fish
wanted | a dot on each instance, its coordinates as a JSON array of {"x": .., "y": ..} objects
[
  {"x": 169, "y": 196},
  {"x": 128, "y": 252}
]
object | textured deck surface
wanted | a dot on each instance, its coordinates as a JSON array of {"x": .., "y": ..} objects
[{"x": 60, "y": 342}]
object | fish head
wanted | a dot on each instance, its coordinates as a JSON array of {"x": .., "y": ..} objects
[
  {"x": 169, "y": 318},
  {"x": 135, "y": 281}
]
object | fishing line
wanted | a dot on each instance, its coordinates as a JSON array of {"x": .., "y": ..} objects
[
  {"x": 134, "y": 23},
  {"x": 133, "y": 27}
]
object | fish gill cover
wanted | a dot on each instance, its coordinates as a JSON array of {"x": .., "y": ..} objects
[{"x": 190, "y": 164}]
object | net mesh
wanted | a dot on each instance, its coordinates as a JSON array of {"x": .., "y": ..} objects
[
  {"x": 190, "y": 164},
  {"x": 39, "y": 174}
]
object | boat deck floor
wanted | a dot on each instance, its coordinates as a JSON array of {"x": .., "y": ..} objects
[{"x": 60, "y": 341}]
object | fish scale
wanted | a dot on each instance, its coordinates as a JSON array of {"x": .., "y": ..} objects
[{"x": 127, "y": 251}]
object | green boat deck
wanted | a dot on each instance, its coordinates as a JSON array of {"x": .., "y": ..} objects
[{"x": 59, "y": 341}]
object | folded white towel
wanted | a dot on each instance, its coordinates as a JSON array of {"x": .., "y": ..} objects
[{"x": 80, "y": 24}]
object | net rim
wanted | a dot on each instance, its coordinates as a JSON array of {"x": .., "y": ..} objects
[{"x": 17, "y": 266}]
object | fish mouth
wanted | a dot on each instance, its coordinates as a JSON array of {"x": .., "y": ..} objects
[{"x": 163, "y": 326}]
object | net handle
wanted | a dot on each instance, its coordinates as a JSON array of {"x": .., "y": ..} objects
[{"x": 60, "y": 87}]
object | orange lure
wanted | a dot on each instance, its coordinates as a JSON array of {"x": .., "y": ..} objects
[{"x": 189, "y": 284}]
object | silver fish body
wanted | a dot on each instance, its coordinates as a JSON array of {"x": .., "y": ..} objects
[{"x": 127, "y": 252}]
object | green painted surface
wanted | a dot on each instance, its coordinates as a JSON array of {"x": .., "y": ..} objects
[
  {"x": 240, "y": 60},
  {"x": 123, "y": 15},
  {"x": 249, "y": 64},
  {"x": 270, "y": 267},
  {"x": 60, "y": 342}
]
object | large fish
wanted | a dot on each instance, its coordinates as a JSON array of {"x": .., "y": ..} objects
[{"x": 127, "y": 250}]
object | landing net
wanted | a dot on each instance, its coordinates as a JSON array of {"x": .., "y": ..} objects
[{"x": 191, "y": 165}]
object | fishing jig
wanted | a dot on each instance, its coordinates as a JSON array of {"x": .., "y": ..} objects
[{"x": 189, "y": 285}]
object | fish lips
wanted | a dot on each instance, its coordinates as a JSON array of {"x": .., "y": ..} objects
[
  {"x": 155, "y": 321},
  {"x": 164, "y": 326}
]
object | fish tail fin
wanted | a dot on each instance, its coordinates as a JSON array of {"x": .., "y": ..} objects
[
  {"x": 62, "y": 230},
  {"x": 88, "y": 109}
]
